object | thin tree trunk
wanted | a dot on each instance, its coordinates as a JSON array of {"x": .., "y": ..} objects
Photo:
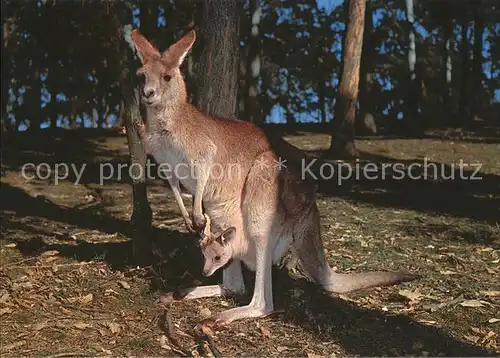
[
  {"x": 290, "y": 106},
  {"x": 322, "y": 101},
  {"x": 33, "y": 95},
  {"x": 5, "y": 75},
  {"x": 149, "y": 17},
  {"x": 320, "y": 77},
  {"x": 413, "y": 90},
  {"x": 141, "y": 216},
  {"x": 478, "y": 59},
  {"x": 366, "y": 120},
  {"x": 464, "y": 105},
  {"x": 34, "y": 100},
  {"x": 447, "y": 95},
  {"x": 252, "y": 105},
  {"x": 120, "y": 119},
  {"x": 342, "y": 142},
  {"x": 218, "y": 68}
]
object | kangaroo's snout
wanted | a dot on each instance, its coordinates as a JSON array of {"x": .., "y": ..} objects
[{"x": 148, "y": 92}]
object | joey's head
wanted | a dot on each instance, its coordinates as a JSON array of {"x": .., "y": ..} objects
[
  {"x": 216, "y": 248},
  {"x": 162, "y": 82}
]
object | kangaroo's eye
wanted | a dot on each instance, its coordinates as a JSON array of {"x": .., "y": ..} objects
[
  {"x": 217, "y": 258},
  {"x": 167, "y": 78}
]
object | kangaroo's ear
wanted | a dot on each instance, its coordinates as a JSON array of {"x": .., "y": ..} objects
[
  {"x": 227, "y": 235},
  {"x": 177, "y": 52},
  {"x": 144, "y": 48}
]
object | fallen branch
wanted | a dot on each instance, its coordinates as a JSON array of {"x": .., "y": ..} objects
[
  {"x": 70, "y": 354},
  {"x": 203, "y": 338},
  {"x": 58, "y": 265},
  {"x": 19, "y": 262},
  {"x": 83, "y": 309},
  {"x": 167, "y": 327}
]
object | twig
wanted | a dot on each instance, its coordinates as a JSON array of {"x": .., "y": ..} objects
[
  {"x": 167, "y": 327},
  {"x": 91, "y": 310},
  {"x": 70, "y": 354},
  {"x": 58, "y": 265},
  {"x": 202, "y": 337},
  {"x": 19, "y": 262}
]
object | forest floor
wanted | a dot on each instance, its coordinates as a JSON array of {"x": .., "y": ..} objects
[{"x": 68, "y": 287}]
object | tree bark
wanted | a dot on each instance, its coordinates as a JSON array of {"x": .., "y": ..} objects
[
  {"x": 252, "y": 105},
  {"x": 464, "y": 106},
  {"x": 478, "y": 59},
  {"x": 366, "y": 121},
  {"x": 322, "y": 101},
  {"x": 342, "y": 142},
  {"x": 5, "y": 74},
  {"x": 413, "y": 90},
  {"x": 149, "y": 18},
  {"x": 141, "y": 216},
  {"x": 447, "y": 95},
  {"x": 33, "y": 95},
  {"x": 218, "y": 68}
]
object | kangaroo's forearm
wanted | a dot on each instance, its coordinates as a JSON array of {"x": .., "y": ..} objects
[
  {"x": 176, "y": 190},
  {"x": 202, "y": 176}
]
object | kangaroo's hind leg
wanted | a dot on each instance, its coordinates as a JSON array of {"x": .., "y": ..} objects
[
  {"x": 262, "y": 225},
  {"x": 309, "y": 248}
]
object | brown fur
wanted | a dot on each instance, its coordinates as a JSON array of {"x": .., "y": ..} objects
[{"x": 271, "y": 210}]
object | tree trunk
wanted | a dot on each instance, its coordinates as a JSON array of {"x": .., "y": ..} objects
[
  {"x": 322, "y": 101},
  {"x": 54, "y": 11},
  {"x": 252, "y": 105},
  {"x": 464, "y": 106},
  {"x": 149, "y": 18},
  {"x": 141, "y": 216},
  {"x": 366, "y": 121},
  {"x": 478, "y": 60},
  {"x": 413, "y": 90},
  {"x": 342, "y": 142},
  {"x": 447, "y": 95},
  {"x": 5, "y": 75},
  {"x": 33, "y": 95},
  {"x": 218, "y": 68},
  {"x": 120, "y": 119}
]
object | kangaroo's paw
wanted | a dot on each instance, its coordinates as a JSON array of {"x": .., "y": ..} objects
[
  {"x": 198, "y": 222},
  {"x": 234, "y": 314},
  {"x": 188, "y": 223},
  {"x": 192, "y": 293}
]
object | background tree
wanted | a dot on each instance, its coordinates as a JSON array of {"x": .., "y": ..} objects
[
  {"x": 142, "y": 215},
  {"x": 60, "y": 73},
  {"x": 253, "y": 111},
  {"x": 342, "y": 142},
  {"x": 366, "y": 122},
  {"x": 219, "y": 59}
]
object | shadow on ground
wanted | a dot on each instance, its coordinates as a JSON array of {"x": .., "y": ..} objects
[
  {"x": 360, "y": 331},
  {"x": 368, "y": 332},
  {"x": 458, "y": 192}
]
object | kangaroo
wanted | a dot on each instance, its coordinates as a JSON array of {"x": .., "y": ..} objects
[{"x": 236, "y": 178}]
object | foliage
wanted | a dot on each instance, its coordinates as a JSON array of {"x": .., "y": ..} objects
[{"x": 58, "y": 63}]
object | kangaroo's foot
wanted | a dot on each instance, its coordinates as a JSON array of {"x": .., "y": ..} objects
[
  {"x": 234, "y": 314},
  {"x": 192, "y": 293}
]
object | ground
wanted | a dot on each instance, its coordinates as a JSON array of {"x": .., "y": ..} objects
[{"x": 68, "y": 286}]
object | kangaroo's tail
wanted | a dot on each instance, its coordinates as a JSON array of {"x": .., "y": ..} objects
[{"x": 341, "y": 283}]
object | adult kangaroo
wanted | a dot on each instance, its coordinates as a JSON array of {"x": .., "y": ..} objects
[{"x": 234, "y": 175}]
